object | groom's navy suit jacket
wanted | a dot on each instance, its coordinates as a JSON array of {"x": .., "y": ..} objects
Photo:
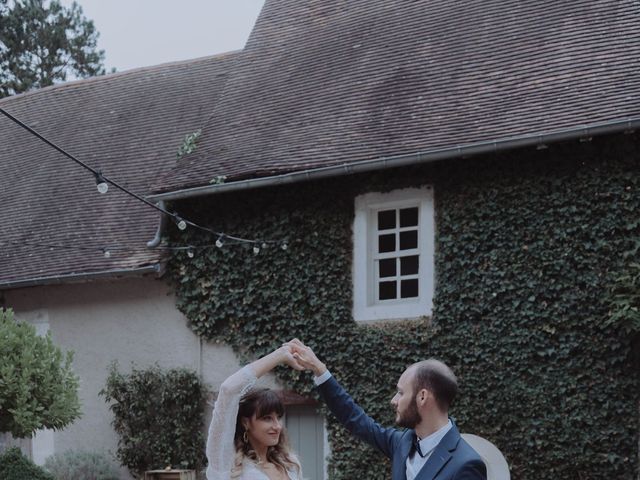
[{"x": 452, "y": 459}]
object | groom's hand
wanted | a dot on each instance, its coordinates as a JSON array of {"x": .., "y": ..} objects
[
  {"x": 285, "y": 353},
  {"x": 306, "y": 358}
]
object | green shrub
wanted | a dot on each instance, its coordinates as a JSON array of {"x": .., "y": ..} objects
[
  {"x": 15, "y": 466},
  {"x": 38, "y": 388},
  {"x": 72, "y": 465},
  {"x": 158, "y": 416}
]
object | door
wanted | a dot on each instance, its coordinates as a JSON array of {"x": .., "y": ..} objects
[{"x": 307, "y": 437}]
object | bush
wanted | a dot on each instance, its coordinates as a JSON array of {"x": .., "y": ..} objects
[
  {"x": 15, "y": 466},
  {"x": 159, "y": 418},
  {"x": 73, "y": 465},
  {"x": 38, "y": 388}
]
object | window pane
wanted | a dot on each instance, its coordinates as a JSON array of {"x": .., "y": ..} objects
[
  {"x": 388, "y": 267},
  {"x": 387, "y": 243},
  {"x": 386, "y": 219},
  {"x": 409, "y": 217},
  {"x": 387, "y": 290},
  {"x": 408, "y": 240},
  {"x": 409, "y": 265},
  {"x": 409, "y": 288}
]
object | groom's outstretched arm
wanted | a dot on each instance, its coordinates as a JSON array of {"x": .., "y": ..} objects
[{"x": 348, "y": 412}]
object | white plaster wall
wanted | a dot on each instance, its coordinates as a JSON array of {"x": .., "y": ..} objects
[{"x": 133, "y": 321}]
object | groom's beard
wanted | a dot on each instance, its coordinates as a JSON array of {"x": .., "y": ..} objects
[{"x": 410, "y": 417}]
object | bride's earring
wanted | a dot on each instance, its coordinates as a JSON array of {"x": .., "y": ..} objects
[{"x": 245, "y": 437}]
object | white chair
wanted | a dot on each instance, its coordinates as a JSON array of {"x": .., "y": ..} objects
[{"x": 497, "y": 467}]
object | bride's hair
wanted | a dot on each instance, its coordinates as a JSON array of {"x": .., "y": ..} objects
[{"x": 262, "y": 402}]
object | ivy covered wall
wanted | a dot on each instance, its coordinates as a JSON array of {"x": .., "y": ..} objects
[{"x": 528, "y": 244}]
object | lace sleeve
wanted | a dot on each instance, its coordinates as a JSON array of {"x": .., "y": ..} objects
[{"x": 220, "y": 448}]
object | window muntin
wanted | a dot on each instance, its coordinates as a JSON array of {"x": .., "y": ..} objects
[{"x": 396, "y": 261}]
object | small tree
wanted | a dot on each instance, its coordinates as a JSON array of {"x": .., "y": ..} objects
[
  {"x": 159, "y": 417},
  {"x": 38, "y": 388},
  {"x": 41, "y": 43}
]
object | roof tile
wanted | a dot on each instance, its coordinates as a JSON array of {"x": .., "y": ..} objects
[
  {"x": 130, "y": 126},
  {"x": 327, "y": 82}
]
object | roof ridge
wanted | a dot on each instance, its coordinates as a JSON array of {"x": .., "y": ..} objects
[{"x": 115, "y": 75}]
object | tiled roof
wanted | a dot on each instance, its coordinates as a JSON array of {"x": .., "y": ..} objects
[
  {"x": 327, "y": 82},
  {"x": 128, "y": 124}
]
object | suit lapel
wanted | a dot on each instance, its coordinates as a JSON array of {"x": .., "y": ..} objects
[
  {"x": 403, "y": 453},
  {"x": 440, "y": 456}
]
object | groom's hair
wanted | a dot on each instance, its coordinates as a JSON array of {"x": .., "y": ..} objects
[{"x": 435, "y": 376}]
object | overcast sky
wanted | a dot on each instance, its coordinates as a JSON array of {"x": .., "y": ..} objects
[{"x": 139, "y": 33}]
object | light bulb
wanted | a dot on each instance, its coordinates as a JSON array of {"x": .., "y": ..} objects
[
  {"x": 190, "y": 253},
  {"x": 256, "y": 250},
  {"x": 264, "y": 244},
  {"x": 219, "y": 243},
  {"x": 182, "y": 225},
  {"x": 284, "y": 246},
  {"x": 101, "y": 183},
  {"x": 107, "y": 253}
]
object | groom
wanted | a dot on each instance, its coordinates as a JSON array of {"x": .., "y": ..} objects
[{"x": 430, "y": 446}]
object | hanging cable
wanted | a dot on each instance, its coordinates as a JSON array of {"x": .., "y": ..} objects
[
  {"x": 108, "y": 252},
  {"x": 102, "y": 184}
]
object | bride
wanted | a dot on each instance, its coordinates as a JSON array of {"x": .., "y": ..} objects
[{"x": 247, "y": 440}]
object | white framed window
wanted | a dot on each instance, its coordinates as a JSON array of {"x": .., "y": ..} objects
[{"x": 393, "y": 255}]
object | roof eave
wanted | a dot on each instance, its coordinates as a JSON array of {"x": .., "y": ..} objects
[
  {"x": 491, "y": 146},
  {"x": 82, "y": 277}
]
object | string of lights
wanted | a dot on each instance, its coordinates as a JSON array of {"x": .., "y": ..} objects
[
  {"x": 103, "y": 182},
  {"x": 108, "y": 251}
]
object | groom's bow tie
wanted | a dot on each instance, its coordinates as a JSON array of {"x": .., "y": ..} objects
[{"x": 416, "y": 446}]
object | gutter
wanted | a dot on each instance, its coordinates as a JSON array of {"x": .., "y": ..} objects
[
  {"x": 81, "y": 277},
  {"x": 155, "y": 241},
  {"x": 541, "y": 139}
]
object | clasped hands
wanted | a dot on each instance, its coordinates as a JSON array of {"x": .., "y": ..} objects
[{"x": 301, "y": 357}]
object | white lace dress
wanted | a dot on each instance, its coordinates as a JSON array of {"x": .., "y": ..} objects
[{"x": 220, "y": 448}]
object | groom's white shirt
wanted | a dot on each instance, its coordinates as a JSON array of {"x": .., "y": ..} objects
[{"x": 427, "y": 444}]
